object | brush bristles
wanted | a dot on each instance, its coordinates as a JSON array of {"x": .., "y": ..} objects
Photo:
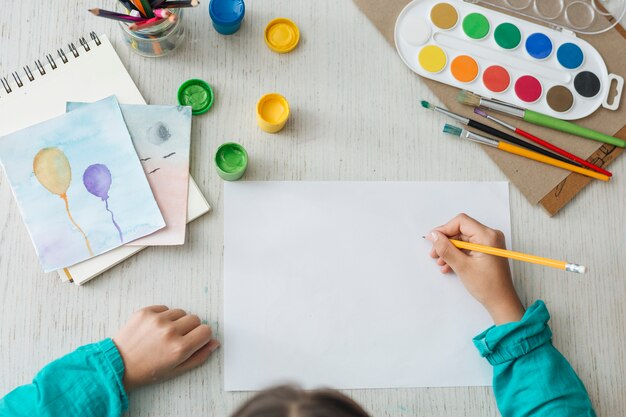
[
  {"x": 426, "y": 104},
  {"x": 468, "y": 98},
  {"x": 452, "y": 130}
]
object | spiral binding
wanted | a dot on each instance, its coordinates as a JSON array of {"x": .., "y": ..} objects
[{"x": 75, "y": 51}]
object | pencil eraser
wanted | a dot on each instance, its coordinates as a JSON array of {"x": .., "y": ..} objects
[{"x": 580, "y": 269}]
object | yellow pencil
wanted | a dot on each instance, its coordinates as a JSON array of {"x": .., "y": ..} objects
[
  {"x": 517, "y": 150},
  {"x": 518, "y": 256}
]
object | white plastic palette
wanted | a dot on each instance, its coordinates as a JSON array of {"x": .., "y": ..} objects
[{"x": 474, "y": 48}]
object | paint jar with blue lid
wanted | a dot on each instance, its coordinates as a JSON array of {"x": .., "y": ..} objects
[{"x": 227, "y": 15}]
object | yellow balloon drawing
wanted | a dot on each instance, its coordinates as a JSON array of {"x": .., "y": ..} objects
[{"x": 53, "y": 171}]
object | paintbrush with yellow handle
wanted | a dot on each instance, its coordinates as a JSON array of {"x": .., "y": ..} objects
[{"x": 517, "y": 150}]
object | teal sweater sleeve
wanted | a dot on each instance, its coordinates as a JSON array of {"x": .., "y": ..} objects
[
  {"x": 86, "y": 382},
  {"x": 531, "y": 377}
]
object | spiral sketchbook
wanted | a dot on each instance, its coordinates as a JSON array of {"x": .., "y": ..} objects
[{"x": 85, "y": 73}]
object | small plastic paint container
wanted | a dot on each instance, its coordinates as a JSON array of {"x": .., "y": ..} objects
[
  {"x": 272, "y": 112},
  {"x": 196, "y": 93},
  {"x": 507, "y": 36},
  {"x": 560, "y": 98},
  {"x": 464, "y": 68},
  {"x": 528, "y": 88},
  {"x": 416, "y": 30},
  {"x": 158, "y": 40},
  {"x": 496, "y": 78},
  {"x": 444, "y": 16},
  {"x": 476, "y": 26},
  {"x": 587, "y": 84},
  {"x": 432, "y": 58},
  {"x": 539, "y": 46},
  {"x": 227, "y": 15},
  {"x": 281, "y": 35},
  {"x": 231, "y": 161},
  {"x": 570, "y": 55}
]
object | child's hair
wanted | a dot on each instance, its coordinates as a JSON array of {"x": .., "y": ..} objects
[{"x": 290, "y": 401}]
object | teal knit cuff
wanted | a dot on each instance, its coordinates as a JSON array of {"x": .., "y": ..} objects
[
  {"x": 115, "y": 367},
  {"x": 509, "y": 341}
]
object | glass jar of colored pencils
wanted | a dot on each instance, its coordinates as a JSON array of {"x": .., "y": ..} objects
[{"x": 156, "y": 40}]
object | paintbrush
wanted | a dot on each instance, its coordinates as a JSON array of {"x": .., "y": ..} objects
[
  {"x": 495, "y": 132},
  {"x": 516, "y": 150},
  {"x": 542, "y": 142},
  {"x": 537, "y": 118}
]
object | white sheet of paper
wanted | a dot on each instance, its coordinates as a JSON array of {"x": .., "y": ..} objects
[{"x": 330, "y": 284}]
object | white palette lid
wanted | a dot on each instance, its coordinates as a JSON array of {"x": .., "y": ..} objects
[{"x": 581, "y": 16}]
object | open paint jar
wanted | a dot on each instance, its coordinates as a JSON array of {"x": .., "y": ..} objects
[
  {"x": 272, "y": 112},
  {"x": 231, "y": 161},
  {"x": 509, "y": 57},
  {"x": 157, "y": 40}
]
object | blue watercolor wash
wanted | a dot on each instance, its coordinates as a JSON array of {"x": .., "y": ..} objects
[
  {"x": 539, "y": 46},
  {"x": 227, "y": 15},
  {"x": 570, "y": 55}
]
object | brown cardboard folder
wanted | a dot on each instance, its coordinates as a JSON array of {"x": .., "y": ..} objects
[{"x": 551, "y": 187}]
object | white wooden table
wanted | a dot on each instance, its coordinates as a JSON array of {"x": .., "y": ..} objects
[{"x": 355, "y": 116}]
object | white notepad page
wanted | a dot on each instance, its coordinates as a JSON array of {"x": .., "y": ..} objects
[
  {"x": 91, "y": 76},
  {"x": 331, "y": 284}
]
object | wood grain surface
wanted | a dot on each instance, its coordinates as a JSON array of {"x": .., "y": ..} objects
[{"x": 355, "y": 116}]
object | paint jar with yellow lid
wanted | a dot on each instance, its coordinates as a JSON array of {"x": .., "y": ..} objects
[
  {"x": 272, "y": 112},
  {"x": 281, "y": 35}
]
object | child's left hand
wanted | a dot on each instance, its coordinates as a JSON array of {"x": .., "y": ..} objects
[{"x": 158, "y": 343}]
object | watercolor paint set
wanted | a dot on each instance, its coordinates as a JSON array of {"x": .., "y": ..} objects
[{"x": 543, "y": 68}]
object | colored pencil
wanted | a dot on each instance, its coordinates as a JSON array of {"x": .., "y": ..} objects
[
  {"x": 147, "y": 8},
  {"x": 519, "y": 256},
  {"x": 116, "y": 16},
  {"x": 538, "y": 119},
  {"x": 495, "y": 132},
  {"x": 127, "y": 5},
  {"x": 162, "y": 13},
  {"x": 542, "y": 142},
  {"x": 152, "y": 22},
  {"x": 144, "y": 8},
  {"x": 178, "y": 4},
  {"x": 516, "y": 150}
]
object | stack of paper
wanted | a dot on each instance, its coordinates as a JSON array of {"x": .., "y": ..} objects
[
  {"x": 86, "y": 186},
  {"x": 93, "y": 73}
]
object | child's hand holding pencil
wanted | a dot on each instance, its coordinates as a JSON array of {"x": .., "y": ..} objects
[{"x": 486, "y": 277}]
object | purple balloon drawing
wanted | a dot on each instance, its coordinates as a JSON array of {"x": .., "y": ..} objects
[{"x": 97, "y": 180}]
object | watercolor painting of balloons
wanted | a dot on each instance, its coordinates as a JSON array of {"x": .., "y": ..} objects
[
  {"x": 79, "y": 184},
  {"x": 161, "y": 135}
]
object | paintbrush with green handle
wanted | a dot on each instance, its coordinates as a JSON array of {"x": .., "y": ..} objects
[{"x": 538, "y": 119}]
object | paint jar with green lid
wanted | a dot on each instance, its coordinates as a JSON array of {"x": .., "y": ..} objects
[
  {"x": 196, "y": 93},
  {"x": 231, "y": 161}
]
